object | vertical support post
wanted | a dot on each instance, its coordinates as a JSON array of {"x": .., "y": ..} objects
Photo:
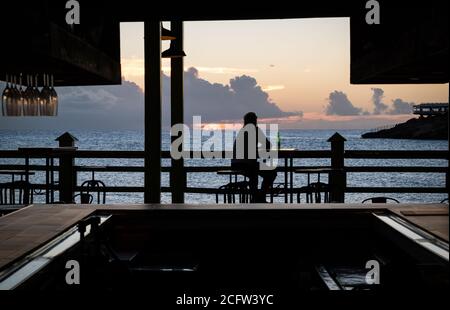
[
  {"x": 177, "y": 173},
  {"x": 152, "y": 107},
  {"x": 338, "y": 178}
]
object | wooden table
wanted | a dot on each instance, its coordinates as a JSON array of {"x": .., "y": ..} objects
[
  {"x": 318, "y": 171},
  {"x": 231, "y": 173},
  {"x": 92, "y": 170},
  {"x": 13, "y": 173},
  {"x": 48, "y": 154}
]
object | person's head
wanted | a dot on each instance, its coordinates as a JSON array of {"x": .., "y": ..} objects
[{"x": 250, "y": 118}]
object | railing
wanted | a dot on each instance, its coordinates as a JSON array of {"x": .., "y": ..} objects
[
  {"x": 430, "y": 109},
  {"x": 336, "y": 155},
  {"x": 384, "y": 127},
  {"x": 403, "y": 169}
]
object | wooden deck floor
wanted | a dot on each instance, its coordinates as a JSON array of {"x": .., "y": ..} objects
[{"x": 25, "y": 230}]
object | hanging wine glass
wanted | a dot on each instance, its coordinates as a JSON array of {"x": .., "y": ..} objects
[
  {"x": 44, "y": 96},
  {"x": 24, "y": 98},
  {"x": 35, "y": 98},
  {"x": 53, "y": 107},
  {"x": 15, "y": 100},
  {"x": 27, "y": 98},
  {"x": 11, "y": 98},
  {"x": 21, "y": 90},
  {"x": 6, "y": 95}
]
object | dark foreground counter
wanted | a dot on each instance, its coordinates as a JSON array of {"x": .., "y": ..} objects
[{"x": 219, "y": 249}]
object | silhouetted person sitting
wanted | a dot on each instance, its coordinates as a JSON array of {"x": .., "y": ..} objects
[{"x": 245, "y": 157}]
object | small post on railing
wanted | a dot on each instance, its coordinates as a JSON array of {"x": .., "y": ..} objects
[
  {"x": 67, "y": 173},
  {"x": 338, "y": 179}
]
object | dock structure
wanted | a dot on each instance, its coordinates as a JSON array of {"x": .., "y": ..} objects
[{"x": 430, "y": 109}]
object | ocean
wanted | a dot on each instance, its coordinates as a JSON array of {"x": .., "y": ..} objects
[{"x": 298, "y": 139}]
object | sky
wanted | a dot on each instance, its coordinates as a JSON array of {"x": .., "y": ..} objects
[
  {"x": 298, "y": 62},
  {"x": 292, "y": 72}
]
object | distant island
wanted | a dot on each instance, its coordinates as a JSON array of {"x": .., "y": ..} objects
[{"x": 427, "y": 128}]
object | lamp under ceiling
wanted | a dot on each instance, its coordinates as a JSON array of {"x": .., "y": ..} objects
[
  {"x": 172, "y": 52},
  {"x": 166, "y": 34}
]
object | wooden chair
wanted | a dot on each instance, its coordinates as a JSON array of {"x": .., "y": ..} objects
[
  {"x": 318, "y": 189},
  {"x": 95, "y": 186},
  {"x": 380, "y": 200},
  {"x": 234, "y": 187},
  {"x": 16, "y": 193},
  {"x": 230, "y": 190},
  {"x": 84, "y": 198},
  {"x": 308, "y": 191},
  {"x": 313, "y": 193},
  {"x": 276, "y": 190}
]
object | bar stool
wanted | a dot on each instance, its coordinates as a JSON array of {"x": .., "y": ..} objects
[
  {"x": 94, "y": 185},
  {"x": 315, "y": 189},
  {"x": 234, "y": 187}
]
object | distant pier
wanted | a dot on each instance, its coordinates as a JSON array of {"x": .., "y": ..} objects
[{"x": 427, "y": 109}]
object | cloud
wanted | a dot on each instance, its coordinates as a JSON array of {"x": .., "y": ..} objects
[
  {"x": 215, "y": 102},
  {"x": 216, "y": 70},
  {"x": 273, "y": 87},
  {"x": 225, "y": 70},
  {"x": 377, "y": 97},
  {"x": 339, "y": 104},
  {"x": 134, "y": 67},
  {"x": 401, "y": 107},
  {"x": 315, "y": 120}
]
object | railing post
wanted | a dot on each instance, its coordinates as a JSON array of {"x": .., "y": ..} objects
[
  {"x": 67, "y": 173},
  {"x": 338, "y": 178}
]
